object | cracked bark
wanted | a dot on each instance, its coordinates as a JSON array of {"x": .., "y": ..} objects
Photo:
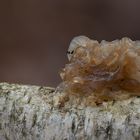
[{"x": 30, "y": 113}]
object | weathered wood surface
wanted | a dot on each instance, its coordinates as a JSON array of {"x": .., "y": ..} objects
[{"x": 31, "y": 113}]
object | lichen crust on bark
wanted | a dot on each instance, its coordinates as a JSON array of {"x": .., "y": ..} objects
[{"x": 30, "y": 113}]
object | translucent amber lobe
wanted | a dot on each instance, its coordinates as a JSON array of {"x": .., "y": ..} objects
[{"x": 103, "y": 70}]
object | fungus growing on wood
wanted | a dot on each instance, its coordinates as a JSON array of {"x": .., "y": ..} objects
[{"x": 102, "y": 70}]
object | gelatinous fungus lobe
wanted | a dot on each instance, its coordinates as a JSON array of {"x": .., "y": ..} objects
[{"x": 102, "y": 69}]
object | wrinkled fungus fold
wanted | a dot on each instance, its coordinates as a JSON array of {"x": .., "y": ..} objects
[{"x": 103, "y": 69}]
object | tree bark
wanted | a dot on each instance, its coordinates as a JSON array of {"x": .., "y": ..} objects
[{"x": 31, "y": 113}]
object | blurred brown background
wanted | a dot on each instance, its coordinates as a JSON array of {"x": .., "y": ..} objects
[{"x": 35, "y": 34}]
